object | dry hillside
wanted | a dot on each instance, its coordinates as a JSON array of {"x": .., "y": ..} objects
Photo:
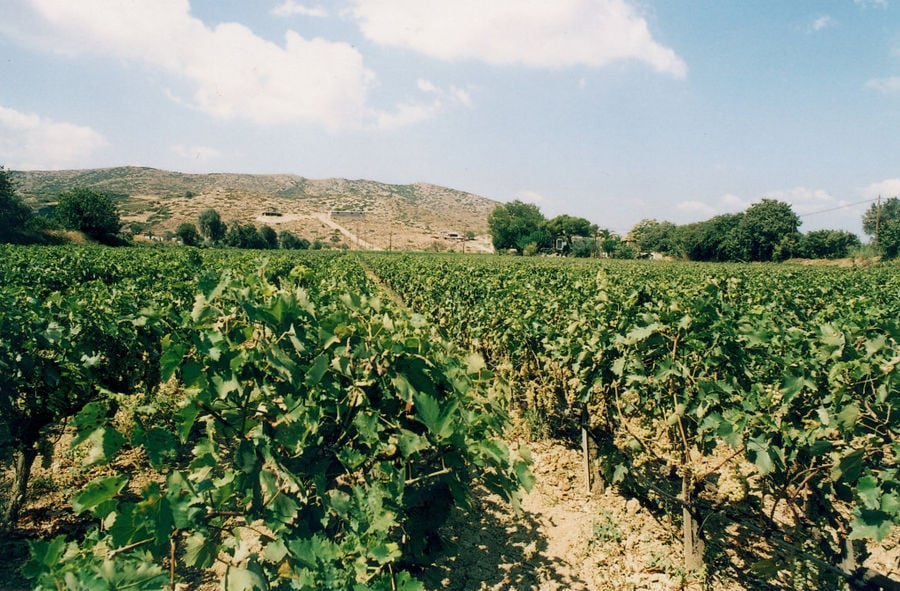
[{"x": 399, "y": 217}]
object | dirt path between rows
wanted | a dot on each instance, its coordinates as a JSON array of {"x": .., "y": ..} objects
[{"x": 561, "y": 539}]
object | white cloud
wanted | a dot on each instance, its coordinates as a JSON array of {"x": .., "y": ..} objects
[
  {"x": 886, "y": 188},
  {"x": 461, "y": 96},
  {"x": 412, "y": 112},
  {"x": 426, "y": 86},
  {"x": 407, "y": 114},
  {"x": 199, "y": 154},
  {"x": 291, "y": 8},
  {"x": 537, "y": 33},
  {"x": 804, "y": 200},
  {"x": 875, "y": 3},
  {"x": 823, "y": 22},
  {"x": 697, "y": 209},
  {"x": 30, "y": 141},
  {"x": 889, "y": 85},
  {"x": 730, "y": 203},
  {"x": 530, "y": 197},
  {"x": 230, "y": 72}
]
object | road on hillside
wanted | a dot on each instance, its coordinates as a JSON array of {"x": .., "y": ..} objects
[{"x": 353, "y": 238}]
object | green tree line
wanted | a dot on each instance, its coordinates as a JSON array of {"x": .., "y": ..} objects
[{"x": 765, "y": 231}]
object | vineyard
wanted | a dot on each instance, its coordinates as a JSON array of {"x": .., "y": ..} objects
[{"x": 306, "y": 421}]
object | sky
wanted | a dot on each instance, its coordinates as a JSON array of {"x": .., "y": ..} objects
[{"x": 612, "y": 110}]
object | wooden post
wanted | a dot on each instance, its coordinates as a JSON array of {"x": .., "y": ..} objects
[
  {"x": 585, "y": 450},
  {"x": 693, "y": 544},
  {"x": 593, "y": 478},
  {"x": 877, "y": 223}
]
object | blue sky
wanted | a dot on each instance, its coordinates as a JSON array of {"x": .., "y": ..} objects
[{"x": 614, "y": 110}]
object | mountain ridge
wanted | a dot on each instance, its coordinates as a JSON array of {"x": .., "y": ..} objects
[{"x": 413, "y": 216}]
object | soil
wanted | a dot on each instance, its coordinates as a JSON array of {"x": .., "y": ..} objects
[
  {"x": 567, "y": 539},
  {"x": 562, "y": 538}
]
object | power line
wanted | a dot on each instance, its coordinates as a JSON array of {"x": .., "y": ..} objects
[{"x": 838, "y": 207}]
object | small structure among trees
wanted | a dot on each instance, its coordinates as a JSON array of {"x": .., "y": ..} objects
[
  {"x": 347, "y": 214},
  {"x": 522, "y": 226}
]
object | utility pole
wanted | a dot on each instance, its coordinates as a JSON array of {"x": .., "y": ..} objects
[{"x": 877, "y": 223}]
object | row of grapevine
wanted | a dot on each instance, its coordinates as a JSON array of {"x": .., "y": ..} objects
[
  {"x": 308, "y": 435},
  {"x": 757, "y": 400}
]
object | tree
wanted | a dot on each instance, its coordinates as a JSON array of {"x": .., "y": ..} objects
[
  {"x": 889, "y": 210},
  {"x": 884, "y": 224},
  {"x": 515, "y": 225},
  {"x": 290, "y": 241},
  {"x": 765, "y": 225},
  {"x": 607, "y": 241},
  {"x": 211, "y": 225},
  {"x": 269, "y": 237},
  {"x": 88, "y": 211},
  {"x": 567, "y": 227},
  {"x": 585, "y": 248},
  {"x": 827, "y": 244},
  {"x": 889, "y": 239},
  {"x": 188, "y": 234},
  {"x": 244, "y": 236},
  {"x": 538, "y": 239},
  {"x": 716, "y": 239},
  {"x": 652, "y": 236},
  {"x": 14, "y": 213}
]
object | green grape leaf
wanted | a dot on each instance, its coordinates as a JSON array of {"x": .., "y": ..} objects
[
  {"x": 871, "y": 525},
  {"x": 98, "y": 491}
]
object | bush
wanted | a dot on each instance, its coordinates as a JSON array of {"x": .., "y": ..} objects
[
  {"x": 88, "y": 211},
  {"x": 188, "y": 234},
  {"x": 244, "y": 236},
  {"x": 827, "y": 244},
  {"x": 14, "y": 213},
  {"x": 326, "y": 432},
  {"x": 212, "y": 226},
  {"x": 269, "y": 237},
  {"x": 290, "y": 241}
]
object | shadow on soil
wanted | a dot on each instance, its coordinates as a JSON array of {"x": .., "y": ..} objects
[
  {"x": 13, "y": 554},
  {"x": 491, "y": 548}
]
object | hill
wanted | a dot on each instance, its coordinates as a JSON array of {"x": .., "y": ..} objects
[{"x": 399, "y": 217}]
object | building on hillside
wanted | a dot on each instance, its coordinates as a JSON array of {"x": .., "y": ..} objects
[{"x": 346, "y": 214}]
